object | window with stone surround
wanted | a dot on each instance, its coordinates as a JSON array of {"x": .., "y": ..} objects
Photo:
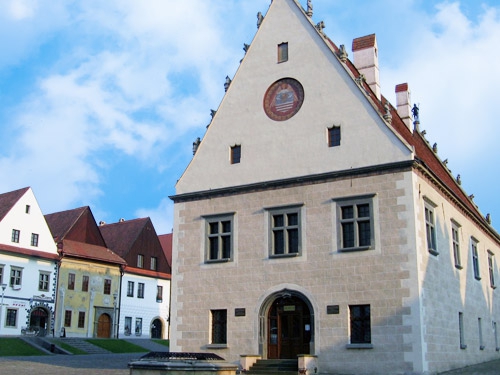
[
  {"x": 455, "y": 240},
  {"x": 285, "y": 232},
  {"x": 355, "y": 223},
  {"x": 360, "y": 327},
  {"x": 218, "y": 331},
  {"x": 219, "y": 237},
  {"x": 491, "y": 269},
  {"x": 475, "y": 258},
  {"x": 282, "y": 52},
  {"x": 430, "y": 226}
]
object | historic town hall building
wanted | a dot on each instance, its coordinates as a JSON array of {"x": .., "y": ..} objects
[{"x": 315, "y": 220}]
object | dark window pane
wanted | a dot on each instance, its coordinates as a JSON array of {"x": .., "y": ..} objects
[
  {"x": 278, "y": 221},
  {"x": 279, "y": 242},
  {"x": 364, "y": 233},
  {"x": 214, "y": 228},
  {"x": 214, "y": 247},
  {"x": 363, "y": 210},
  {"x": 348, "y": 235},
  {"x": 226, "y": 247},
  {"x": 226, "y": 227},
  {"x": 293, "y": 241},
  {"x": 293, "y": 219},
  {"x": 347, "y": 212}
]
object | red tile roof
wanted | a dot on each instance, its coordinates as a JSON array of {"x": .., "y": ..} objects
[
  {"x": 166, "y": 244},
  {"x": 28, "y": 252},
  {"x": 148, "y": 273},
  {"x": 92, "y": 252},
  {"x": 8, "y": 200},
  {"x": 61, "y": 222},
  {"x": 122, "y": 235}
]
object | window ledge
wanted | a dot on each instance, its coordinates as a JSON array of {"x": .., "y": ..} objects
[
  {"x": 458, "y": 267},
  {"x": 290, "y": 255},
  {"x": 217, "y": 346},
  {"x": 359, "y": 346},
  {"x": 225, "y": 260},
  {"x": 434, "y": 252},
  {"x": 360, "y": 248},
  {"x": 463, "y": 346},
  {"x": 482, "y": 347},
  {"x": 477, "y": 277}
]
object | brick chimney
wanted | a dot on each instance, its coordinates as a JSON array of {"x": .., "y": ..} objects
[
  {"x": 366, "y": 61},
  {"x": 403, "y": 103}
]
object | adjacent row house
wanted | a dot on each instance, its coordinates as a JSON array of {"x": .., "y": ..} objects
[{"x": 61, "y": 274}]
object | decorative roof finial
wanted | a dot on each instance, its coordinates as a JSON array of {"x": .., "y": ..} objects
[
  {"x": 196, "y": 144},
  {"x": 435, "y": 148},
  {"x": 387, "y": 114},
  {"x": 459, "y": 180},
  {"x": 309, "y": 8},
  {"x": 343, "y": 53},
  {"x": 246, "y": 47},
  {"x": 320, "y": 26},
  {"x": 260, "y": 18},
  {"x": 416, "y": 119},
  {"x": 227, "y": 83},
  {"x": 488, "y": 218}
]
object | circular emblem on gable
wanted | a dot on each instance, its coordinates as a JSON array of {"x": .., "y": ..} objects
[{"x": 283, "y": 99}]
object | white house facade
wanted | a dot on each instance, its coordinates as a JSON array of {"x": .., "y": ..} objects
[{"x": 28, "y": 266}]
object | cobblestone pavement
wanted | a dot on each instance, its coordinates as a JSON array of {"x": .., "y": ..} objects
[
  {"x": 98, "y": 364},
  {"x": 487, "y": 368},
  {"x": 117, "y": 364}
]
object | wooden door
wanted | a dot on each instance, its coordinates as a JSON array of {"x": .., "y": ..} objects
[
  {"x": 104, "y": 326},
  {"x": 289, "y": 328}
]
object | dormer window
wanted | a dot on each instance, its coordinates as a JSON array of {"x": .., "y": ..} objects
[{"x": 282, "y": 52}]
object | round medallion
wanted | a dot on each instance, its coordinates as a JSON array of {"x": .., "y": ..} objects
[{"x": 283, "y": 99}]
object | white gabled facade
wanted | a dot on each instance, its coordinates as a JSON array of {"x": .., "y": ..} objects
[
  {"x": 28, "y": 266},
  {"x": 144, "y": 308}
]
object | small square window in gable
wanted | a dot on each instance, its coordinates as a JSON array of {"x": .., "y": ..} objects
[
  {"x": 235, "y": 154},
  {"x": 282, "y": 52},
  {"x": 334, "y": 136}
]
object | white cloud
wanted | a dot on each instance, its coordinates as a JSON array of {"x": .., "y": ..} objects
[{"x": 447, "y": 69}]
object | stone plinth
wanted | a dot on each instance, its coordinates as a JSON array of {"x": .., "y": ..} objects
[{"x": 157, "y": 363}]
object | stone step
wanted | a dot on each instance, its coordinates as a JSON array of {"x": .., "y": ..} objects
[
  {"x": 84, "y": 345},
  {"x": 274, "y": 366}
]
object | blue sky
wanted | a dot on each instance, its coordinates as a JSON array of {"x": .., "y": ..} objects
[{"x": 101, "y": 100}]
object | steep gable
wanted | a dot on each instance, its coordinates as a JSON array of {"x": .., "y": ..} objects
[
  {"x": 274, "y": 147},
  {"x": 130, "y": 238},
  {"x": 7, "y": 200},
  {"x": 77, "y": 224},
  {"x": 20, "y": 212}
]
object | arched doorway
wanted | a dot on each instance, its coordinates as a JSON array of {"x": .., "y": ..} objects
[
  {"x": 39, "y": 321},
  {"x": 104, "y": 326},
  {"x": 156, "y": 329},
  {"x": 288, "y": 325}
]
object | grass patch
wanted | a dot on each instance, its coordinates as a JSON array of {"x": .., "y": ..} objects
[
  {"x": 162, "y": 342},
  {"x": 17, "y": 347},
  {"x": 117, "y": 346}
]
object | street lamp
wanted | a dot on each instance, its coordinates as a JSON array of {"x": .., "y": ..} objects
[
  {"x": 115, "y": 296},
  {"x": 1, "y": 305}
]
